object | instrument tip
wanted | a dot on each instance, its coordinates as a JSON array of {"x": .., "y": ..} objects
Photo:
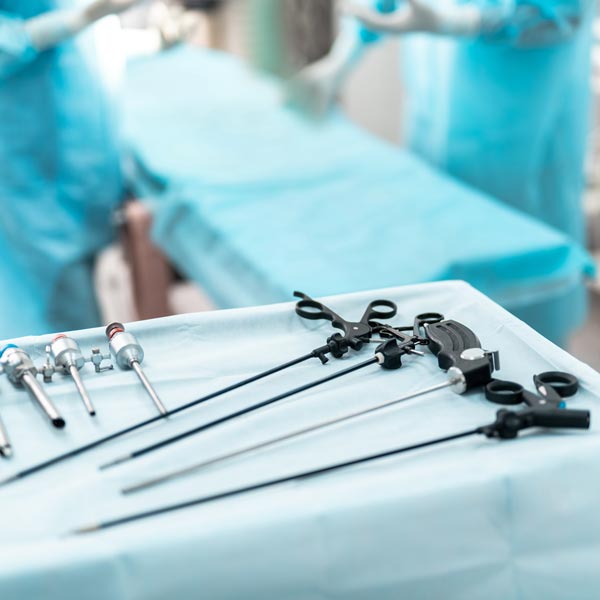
[
  {"x": 87, "y": 529},
  {"x": 8, "y": 480},
  {"x": 138, "y": 487},
  {"x": 114, "y": 463},
  {"x": 6, "y": 452},
  {"x": 59, "y": 423}
]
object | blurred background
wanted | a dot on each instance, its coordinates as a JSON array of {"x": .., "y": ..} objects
[{"x": 169, "y": 157}]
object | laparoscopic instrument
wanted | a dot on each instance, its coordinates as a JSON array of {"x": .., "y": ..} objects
[
  {"x": 5, "y": 445},
  {"x": 458, "y": 351},
  {"x": 21, "y": 372},
  {"x": 388, "y": 355},
  {"x": 129, "y": 354},
  {"x": 354, "y": 335},
  {"x": 507, "y": 425},
  {"x": 62, "y": 355},
  {"x": 68, "y": 359}
]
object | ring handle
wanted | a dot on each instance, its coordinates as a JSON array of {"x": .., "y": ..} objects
[
  {"x": 308, "y": 308},
  {"x": 507, "y": 393},
  {"x": 380, "y": 309},
  {"x": 426, "y": 318},
  {"x": 564, "y": 384},
  {"x": 429, "y": 318}
]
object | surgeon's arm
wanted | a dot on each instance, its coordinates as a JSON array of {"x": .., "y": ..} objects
[
  {"x": 316, "y": 86},
  {"x": 51, "y": 28},
  {"x": 518, "y": 22},
  {"x": 420, "y": 16}
]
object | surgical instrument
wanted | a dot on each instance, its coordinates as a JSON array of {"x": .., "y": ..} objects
[
  {"x": 21, "y": 372},
  {"x": 551, "y": 387},
  {"x": 5, "y": 446},
  {"x": 388, "y": 355},
  {"x": 337, "y": 345},
  {"x": 129, "y": 354},
  {"x": 507, "y": 426},
  {"x": 450, "y": 339},
  {"x": 69, "y": 359}
]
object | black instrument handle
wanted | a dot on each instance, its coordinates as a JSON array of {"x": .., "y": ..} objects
[
  {"x": 308, "y": 308},
  {"x": 448, "y": 340},
  {"x": 561, "y": 418},
  {"x": 563, "y": 384},
  {"x": 509, "y": 423},
  {"x": 457, "y": 347},
  {"x": 379, "y": 309},
  {"x": 508, "y": 393}
]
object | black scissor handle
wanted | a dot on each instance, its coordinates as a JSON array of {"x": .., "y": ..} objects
[
  {"x": 551, "y": 386},
  {"x": 427, "y": 318},
  {"x": 308, "y": 308},
  {"x": 380, "y": 309},
  {"x": 564, "y": 384},
  {"x": 504, "y": 392}
]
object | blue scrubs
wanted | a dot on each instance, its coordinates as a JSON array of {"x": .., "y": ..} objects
[
  {"x": 507, "y": 112},
  {"x": 59, "y": 163}
]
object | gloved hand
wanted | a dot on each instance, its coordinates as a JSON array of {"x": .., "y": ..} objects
[
  {"x": 102, "y": 8},
  {"x": 419, "y": 15},
  {"x": 315, "y": 88},
  {"x": 53, "y": 27}
]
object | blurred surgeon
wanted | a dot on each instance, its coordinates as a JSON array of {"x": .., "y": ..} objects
[
  {"x": 59, "y": 151},
  {"x": 497, "y": 92}
]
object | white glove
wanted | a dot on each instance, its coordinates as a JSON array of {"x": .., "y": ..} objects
[
  {"x": 102, "y": 8},
  {"x": 419, "y": 15},
  {"x": 51, "y": 28},
  {"x": 315, "y": 88}
]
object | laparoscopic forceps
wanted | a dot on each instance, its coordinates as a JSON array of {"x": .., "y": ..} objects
[
  {"x": 507, "y": 426},
  {"x": 21, "y": 372},
  {"x": 459, "y": 352},
  {"x": 69, "y": 359},
  {"x": 388, "y": 355},
  {"x": 5, "y": 445},
  {"x": 129, "y": 354},
  {"x": 354, "y": 335}
]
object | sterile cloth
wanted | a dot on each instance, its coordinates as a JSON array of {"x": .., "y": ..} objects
[
  {"x": 473, "y": 519},
  {"x": 251, "y": 201}
]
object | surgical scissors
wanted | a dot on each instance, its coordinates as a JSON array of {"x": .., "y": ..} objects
[{"x": 356, "y": 333}]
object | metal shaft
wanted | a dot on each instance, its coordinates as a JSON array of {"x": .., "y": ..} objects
[
  {"x": 244, "y": 411},
  {"x": 55, "y": 460},
  {"x": 135, "y": 365},
  {"x": 74, "y": 372},
  {"x": 5, "y": 447},
  {"x": 37, "y": 393},
  {"x": 274, "y": 482},
  {"x": 322, "y": 425}
]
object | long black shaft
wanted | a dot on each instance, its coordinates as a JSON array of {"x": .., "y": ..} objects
[
  {"x": 113, "y": 436},
  {"x": 274, "y": 482},
  {"x": 238, "y": 413}
]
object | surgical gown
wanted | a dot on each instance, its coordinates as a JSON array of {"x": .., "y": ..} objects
[
  {"x": 59, "y": 165},
  {"x": 508, "y": 111}
]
